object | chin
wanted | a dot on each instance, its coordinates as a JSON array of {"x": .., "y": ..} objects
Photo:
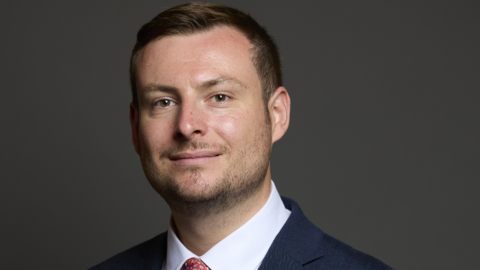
[{"x": 196, "y": 178}]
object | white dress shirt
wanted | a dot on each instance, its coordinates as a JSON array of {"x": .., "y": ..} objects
[{"x": 248, "y": 244}]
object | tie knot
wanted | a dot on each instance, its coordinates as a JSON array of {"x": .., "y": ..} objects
[{"x": 194, "y": 264}]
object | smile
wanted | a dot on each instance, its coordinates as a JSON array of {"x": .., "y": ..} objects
[{"x": 196, "y": 158}]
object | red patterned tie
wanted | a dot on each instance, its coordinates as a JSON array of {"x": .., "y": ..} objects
[{"x": 194, "y": 264}]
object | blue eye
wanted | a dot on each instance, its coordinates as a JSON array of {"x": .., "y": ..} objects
[{"x": 164, "y": 103}]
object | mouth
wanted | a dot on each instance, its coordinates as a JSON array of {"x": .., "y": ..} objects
[{"x": 194, "y": 158}]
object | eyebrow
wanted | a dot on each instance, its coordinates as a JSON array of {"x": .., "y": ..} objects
[
  {"x": 221, "y": 80},
  {"x": 160, "y": 88},
  {"x": 204, "y": 85}
]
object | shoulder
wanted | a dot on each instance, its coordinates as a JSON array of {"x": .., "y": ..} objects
[
  {"x": 338, "y": 255},
  {"x": 311, "y": 248},
  {"x": 147, "y": 255}
]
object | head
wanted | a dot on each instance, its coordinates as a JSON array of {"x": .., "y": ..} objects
[
  {"x": 205, "y": 114},
  {"x": 198, "y": 17}
]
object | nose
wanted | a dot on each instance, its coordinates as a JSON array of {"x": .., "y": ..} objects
[{"x": 191, "y": 121}]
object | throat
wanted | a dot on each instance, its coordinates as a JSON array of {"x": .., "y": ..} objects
[{"x": 199, "y": 233}]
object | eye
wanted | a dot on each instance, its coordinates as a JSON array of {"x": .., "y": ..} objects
[
  {"x": 220, "y": 97},
  {"x": 164, "y": 103}
]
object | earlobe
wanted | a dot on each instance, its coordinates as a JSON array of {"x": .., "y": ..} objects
[
  {"x": 280, "y": 112},
  {"x": 134, "y": 125}
]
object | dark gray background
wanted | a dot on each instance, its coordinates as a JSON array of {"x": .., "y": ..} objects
[{"x": 382, "y": 151}]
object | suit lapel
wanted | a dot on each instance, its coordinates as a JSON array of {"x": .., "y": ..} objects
[
  {"x": 277, "y": 258},
  {"x": 297, "y": 244},
  {"x": 155, "y": 255}
]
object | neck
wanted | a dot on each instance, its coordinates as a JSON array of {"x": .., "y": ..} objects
[{"x": 200, "y": 234}]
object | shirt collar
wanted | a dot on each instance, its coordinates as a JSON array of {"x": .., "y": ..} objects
[{"x": 248, "y": 244}]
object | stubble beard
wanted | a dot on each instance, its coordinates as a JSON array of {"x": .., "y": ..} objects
[{"x": 242, "y": 179}]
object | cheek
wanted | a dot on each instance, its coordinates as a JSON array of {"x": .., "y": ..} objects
[
  {"x": 239, "y": 129},
  {"x": 155, "y": 135},
  {"x": 226, "y": 127}
]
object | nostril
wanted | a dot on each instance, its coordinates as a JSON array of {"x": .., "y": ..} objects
[{"x": 180, "y": 135}]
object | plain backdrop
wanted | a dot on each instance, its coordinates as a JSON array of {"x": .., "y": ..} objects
[{"x": 382, "y": 152}]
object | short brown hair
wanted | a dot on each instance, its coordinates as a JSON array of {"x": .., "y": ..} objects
[{"x": 197, "y": 17}]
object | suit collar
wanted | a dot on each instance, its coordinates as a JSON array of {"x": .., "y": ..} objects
[
  {"x": 297, "y": 244},
  {"x": 248, "y": 244},
  {"x": 294, "y": 241},
  {"x": 153, "y": 253}
]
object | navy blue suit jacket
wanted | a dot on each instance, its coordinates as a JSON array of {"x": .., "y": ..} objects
[{"x": 299, "y": 245}]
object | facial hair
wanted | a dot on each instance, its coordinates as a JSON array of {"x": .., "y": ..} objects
[{"x": 242, "y": 178}]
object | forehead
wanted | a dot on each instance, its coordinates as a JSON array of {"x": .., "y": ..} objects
[{"x": 221, "y": 51}]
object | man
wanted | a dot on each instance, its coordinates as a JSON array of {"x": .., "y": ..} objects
[{"x": 208, "y": 103}]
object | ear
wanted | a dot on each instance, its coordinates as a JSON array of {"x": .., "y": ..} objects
[
  {"x": 134, "y": 125},
  {"x": 279, "y": 108}
]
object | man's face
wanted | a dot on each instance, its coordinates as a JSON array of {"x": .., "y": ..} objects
[{"x": 204, "y": 135}]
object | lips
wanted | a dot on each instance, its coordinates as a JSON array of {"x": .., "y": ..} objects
[
  {"x": 200, "y": 154},
  {"x": 194, "y": 158}
]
